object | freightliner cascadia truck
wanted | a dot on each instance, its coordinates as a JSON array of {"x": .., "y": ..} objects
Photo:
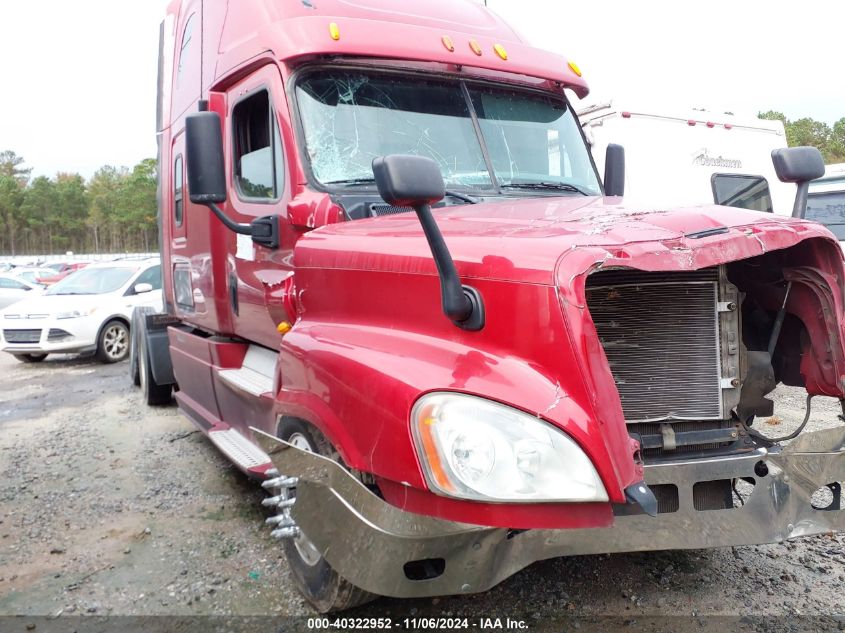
[{"x": 398, "y": 292}]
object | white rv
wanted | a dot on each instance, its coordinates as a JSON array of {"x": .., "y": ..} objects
[
  {"x": 692, "y": 157},
  {"x": 826, "y": 200}
]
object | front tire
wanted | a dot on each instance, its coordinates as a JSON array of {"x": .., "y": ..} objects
[
  {"x": 30, "y": 358},
  {"x": 321, "y": 585},
  {"x": 113, "y": 342}
]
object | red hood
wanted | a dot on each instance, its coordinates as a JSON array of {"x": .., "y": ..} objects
[{"x": 524, "y": 239}]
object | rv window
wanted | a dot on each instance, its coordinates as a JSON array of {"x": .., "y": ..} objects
[
  {"x": 177, "y": 191},
  {"x": 258, "y": 157},
  {"x": 745, "y": 192},
  {"x": 829, "y": 209}
]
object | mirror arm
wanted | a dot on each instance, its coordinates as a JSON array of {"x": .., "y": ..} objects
[
  {"x": 799, "y": 209},
  {"x": 462, "y": 304},
  {"x": 243, "y": 229}
]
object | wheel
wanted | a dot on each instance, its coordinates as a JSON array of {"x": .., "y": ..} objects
[
  {"x": 154, "y": 393},
  {"x": 321, "y": 585},
  {"x": 113, "y": 343},
  {"x": 30, "y": 358}
]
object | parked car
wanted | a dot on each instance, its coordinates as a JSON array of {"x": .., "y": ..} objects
[
  {"x": 32, "y": 275},
  {"x": 88, "y": 311},
  {"x": 14, "y": 289},
  {"x": 59, "y": 271}
]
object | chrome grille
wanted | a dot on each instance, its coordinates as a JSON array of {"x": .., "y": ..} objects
[
  {"x": 660, "y": 334},
  {"x": 22, "y": 336}
]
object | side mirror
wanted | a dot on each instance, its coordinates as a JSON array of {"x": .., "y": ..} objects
[
  {"x": 614, "y": 170},
  {"x": 408, "y": 181},
  {"x": 207, "y": 177},
  {"x": 142, "y": 288},
  {"x": 416, "y": 181},
  {"x": 799, "y": 165},
  {"x": 204, "y": 155}
]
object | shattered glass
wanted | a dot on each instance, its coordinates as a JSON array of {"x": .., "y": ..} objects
[{"x": 351, "y": 117}]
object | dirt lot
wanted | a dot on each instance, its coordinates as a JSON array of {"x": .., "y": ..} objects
[{"x": 108, "y": 507}]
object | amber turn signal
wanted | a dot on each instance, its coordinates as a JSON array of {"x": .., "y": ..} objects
[{"x": 283, "y": 327}]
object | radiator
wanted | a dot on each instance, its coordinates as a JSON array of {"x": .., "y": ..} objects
[{"x": 660, "y": 334}]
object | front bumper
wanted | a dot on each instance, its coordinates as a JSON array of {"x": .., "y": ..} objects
[
  {"x": 48, "y": 335},
  {"x": 369, "y": 542}
]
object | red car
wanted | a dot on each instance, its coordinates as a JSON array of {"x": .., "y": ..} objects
[{"x": 63, "y": 269}]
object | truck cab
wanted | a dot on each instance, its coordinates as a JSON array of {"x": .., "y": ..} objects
[{"x": 398, "y": 292}]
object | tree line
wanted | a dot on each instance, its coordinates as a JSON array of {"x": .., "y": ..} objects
[
  {"x": 112, "y": 212},
  {"x": 829, "y": 139},
  {"x": 115, "y": 210}
]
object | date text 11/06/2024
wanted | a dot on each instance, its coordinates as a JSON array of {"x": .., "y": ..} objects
[{"x": 417, "y": 624}]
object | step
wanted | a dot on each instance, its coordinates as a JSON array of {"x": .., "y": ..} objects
[
  {"x": 239, "y": 449},
  {"x": 255, "y": 376}
]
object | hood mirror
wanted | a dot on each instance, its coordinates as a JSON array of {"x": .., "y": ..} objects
[{"x": 799, "y": 165}]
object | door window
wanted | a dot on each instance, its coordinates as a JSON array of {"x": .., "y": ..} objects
[
  {"x": 150, "y": 276},
  {"x": 12, "y": 284},
  {"x": 178, "y": 190},
  {"x": 257, "y": 149}
]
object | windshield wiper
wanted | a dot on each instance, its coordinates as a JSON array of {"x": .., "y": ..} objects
[
  {"x": 549, "y": 186},
  {"x": 352, "y": 182}
]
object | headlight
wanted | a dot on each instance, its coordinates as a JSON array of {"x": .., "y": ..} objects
[
  {"x": 472, "y": 448},
  {"x": 74, "y": 314}
]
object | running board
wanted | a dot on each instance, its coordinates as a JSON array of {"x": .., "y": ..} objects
[
  {"x": 239, "y": 449},
  {"x": 255, "y": 376}
]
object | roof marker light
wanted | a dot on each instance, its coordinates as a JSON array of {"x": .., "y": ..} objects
[
  {"x": 334, "y": 31},
  {"x": 448, "y": 43},
  {"x": 711, "y": 124},
  {"x": 728, "y": 126},
  {"x": 691, "y": 122},
  {"x": 500, "y": 51},
  {"x": 574, "y": 68},
  {"x": 626, "y": 115},
  {"x": 475, "y": 47}
]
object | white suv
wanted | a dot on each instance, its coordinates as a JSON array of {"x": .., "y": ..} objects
[{"x": 87, "y": 311}]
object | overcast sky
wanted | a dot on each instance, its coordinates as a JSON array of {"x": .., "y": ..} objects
[{"x": 79, "y": 76}]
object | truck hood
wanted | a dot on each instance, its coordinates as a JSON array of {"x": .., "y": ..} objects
[{"x": 526, "y": 239}]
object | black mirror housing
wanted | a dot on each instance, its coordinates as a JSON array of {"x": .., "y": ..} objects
[
  {"x": 798, "y": 164},
  {"x": 408, "y": 181},
  {"x": 614, "y": 170},
  {"x": 204, "y": 156}
]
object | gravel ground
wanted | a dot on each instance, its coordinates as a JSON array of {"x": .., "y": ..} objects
[{"x": 108, "y": 507}]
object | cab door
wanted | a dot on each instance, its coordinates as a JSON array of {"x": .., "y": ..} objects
[{"x": 260, "y": 177}]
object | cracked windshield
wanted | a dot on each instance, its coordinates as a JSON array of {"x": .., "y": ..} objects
[{"x": 349, "y": 118}]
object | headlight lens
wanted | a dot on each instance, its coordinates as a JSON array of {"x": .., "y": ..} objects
[{"x": 472, "y": 448}]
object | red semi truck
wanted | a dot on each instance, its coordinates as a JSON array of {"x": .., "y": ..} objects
[{"x": 398, "y": 292}]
